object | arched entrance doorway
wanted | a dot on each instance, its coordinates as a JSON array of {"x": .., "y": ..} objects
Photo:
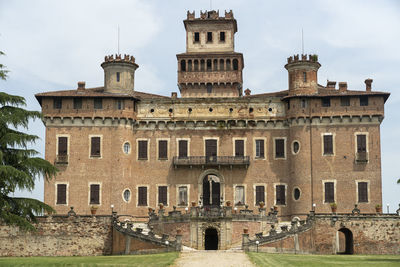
[
  {"x": 345, "y": 239},
  {"x": 211, "y": 190},
  {"x": 211, "y": 239}
]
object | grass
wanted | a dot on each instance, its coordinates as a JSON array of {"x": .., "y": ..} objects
[
  {"x": 162, "y": 259},
  {"x": 265, "y": 259}
]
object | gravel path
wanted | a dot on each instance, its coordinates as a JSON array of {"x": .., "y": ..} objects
[{"x": 213, "y": 258}]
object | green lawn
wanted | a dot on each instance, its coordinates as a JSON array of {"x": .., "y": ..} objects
[
  {"x": 265, "y": 259},
  {"x": 163, "y": 259}
]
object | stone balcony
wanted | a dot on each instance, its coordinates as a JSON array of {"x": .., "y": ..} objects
[
  {"x": 212, "y": 161},
  {"x": 218, "y": 77}
]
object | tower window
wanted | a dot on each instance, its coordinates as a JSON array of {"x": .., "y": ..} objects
[
  {"x": 118, "y": 76},
  {"x": 209, "y": 88},
  {"x": 364, "y": 101},
  {"x": 345, "y": 101},
  {"x": 57, "y": 103},
  {"x": 183, "y": 65},
  {"x": 61, "y": 194},
  {"x": 228, "y": 64},
  {"x": 98, "y": 103},
  {"x": 328, "y": 144},
  {"x": 209, "y": 36},
  {"x": 196, "y": 37},
  {"x": 77, "y": 103},
  {"x": 235, "y": 64},
  {"x": 209, "y": 67},
  {"x": 304, "y": 76},
  {"x": 222, "y": 36},
  {"x": 95, "y": 194},
  {"x": 326, "y": 102},
  {"x": 221, "y": 64}
]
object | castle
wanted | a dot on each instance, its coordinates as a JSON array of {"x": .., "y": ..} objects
[{"x": 299, "y": 149}]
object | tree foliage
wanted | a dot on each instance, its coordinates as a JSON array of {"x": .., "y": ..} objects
[{"x": 20, "y": 166}]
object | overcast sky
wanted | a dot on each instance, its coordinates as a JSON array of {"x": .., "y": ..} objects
[{"x": 51, "y": 45}]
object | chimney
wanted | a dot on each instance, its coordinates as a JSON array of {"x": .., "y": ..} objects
[
  {"x": 174, "y": 95},
  {"x": 342, "y": 86},
  {"x": 331, "y": 84},
  {"x": 247, "y": 91},
  {"x": 368, "y": 85},
  {"x": 81, "y": 85}
]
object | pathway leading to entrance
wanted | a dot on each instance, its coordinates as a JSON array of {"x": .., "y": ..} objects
[{"x": 213, "y": 258}]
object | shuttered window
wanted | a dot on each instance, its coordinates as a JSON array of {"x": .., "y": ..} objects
[
  {"x": 94, "y": 194},
  {"x": 142, "y": 150},
  {"x": 162, "y": 195},
  {"x": 362, "y": 192},
  {"x": 95, "y": 147},
  {"x": 260, "y": 196},
  {"x": 163, "y": 149},
  {"x": 211, "y": 147},
  {"x": 280, "y": 195},
  {"x": 361, "y": 143},
  {"x": 142, "y": 196},
  {"x": 183, "y": 148},
  {"x": 62, "y": 146},
  {"x": 279, "y": 148},
  {"x": 61, "y": 194},
  {"x": 329, "y": 192},
  {"x": 328, "y": 144},
  {"x": 239, "y": 148},
  {"x": 260, "y": 148}
]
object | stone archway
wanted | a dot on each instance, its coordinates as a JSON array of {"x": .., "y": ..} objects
[
  {"x": 211, "y": 188},
  {"x": 345, "y": 241},
  {"x": 211, "y": 239}
]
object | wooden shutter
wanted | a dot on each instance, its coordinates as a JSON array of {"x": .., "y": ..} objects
[
  {"x": 280, "y": 195},
  {"x": 142, "y": 149},
  {"x": 95, "y": 147},
  {"x": 239, "y": 148},
  {"x": 142, "y": 196},
  {"x": 361, "y": 143},
  {"x": 94, "y": 194},
  {"x": 279, "y": 148},
  {"x": 62, "y": 146},
  {"x": 183, "y": 148},
  {"x": 362, "y": 192},
  {"x": 211, "y": 147},
  {"x": 329, "y": 192},
  {"x": 162, "y": 195},
  {"x": 162, "y": 149},
  {"x": 328, "y": 145},
  {"x": 61, "y": 194},
  {"x": 260, "y": 148},
  {"x": 260, "y": 194}
]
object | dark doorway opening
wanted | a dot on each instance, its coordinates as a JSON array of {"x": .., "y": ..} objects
[
  {"x": 211, "y": 191},
  {"x": 211, "y": 239},
  {"x": 345, "y": 241}
]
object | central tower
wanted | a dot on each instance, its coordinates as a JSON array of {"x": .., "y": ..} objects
[{"x": 210, "y": 67}]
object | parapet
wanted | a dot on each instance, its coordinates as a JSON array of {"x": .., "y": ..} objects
[
  {"x": 213, "y": 14},
  {"x": 119, "y": 58},
  {"x": 303, "y": 58}
]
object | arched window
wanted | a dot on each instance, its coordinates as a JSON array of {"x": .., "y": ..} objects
[
  {"x": 209, "y": 67},
  {"x": 202, "y": 65},
  {"x": 190, "y": 65},
  {"x": 183, "y": 65},
  {"x": 215, "y": 64},
  {"x": 221, "y": 64},
  {"x": 196, "y": 65},
  {"x": 228, "y": 64},
  {"x": 235, "y": 64}
]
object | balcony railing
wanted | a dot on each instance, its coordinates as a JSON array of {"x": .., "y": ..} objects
[
  {"x": 212, "y": 161},
  {"x": 61, "y": 159},
  {"x": 361, "y": 157}
]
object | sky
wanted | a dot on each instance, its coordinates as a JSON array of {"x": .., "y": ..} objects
[{"x": 51, "y": 45}]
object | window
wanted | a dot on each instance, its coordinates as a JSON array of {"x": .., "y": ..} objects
[
  {"x": 288, "y": 104},
  {"x": 182, "y": 196},
  {"x": 221, "y": 64},
  {"x": 260, "y": 148},
  {"x": 329, "y": 192},
  {"x": 326, "y": 102},
  {"x": 239, "y": 195},
  {"x": 296, "y": 193},
  {"x": 211, "y": 148},
  {"x": 296, "y": 147},
  {"x": 209, "y": 36},
  {"x": 280, "y": 194},
  {"x": 95, "y": 194},
  {"x": 98, "y": 103},
  {"x": 77, "y": 103},
  {"x": 304, "y": 76},
  {"x": 162, "y": 149},
  {"x": 62, "y": 146},
  {"x": 142, "y": 150},
  {"x": 363, "y": 100},
  {"x": 209, "y": 88},
  {"x": 303, "y": 103},
  {"x": 61, "y": 194},
  {"x": 345, "y": 101},
  {"x": 118, "y": 76},
  {"x": 127, "y": 148},
  {"x": 95, "y": 147},
  {"x": 279, "y": 148},
  {"x": 182, "y": 148},
  {"x": 162, "y": 195},
  {"x": 222, "y": 36},
  {"x": 361, "y": 143},
  {"x": 57, "y": 103},
  {"x": 196, "y": 37},
  {"x": 328, "y": 144},
  {"x": 239, "y": 148},
  {"x": 260, "y": 194},
  {"x": 127, "y": 195},
  {"x": 362, "y": 192},
  {"x": 235, "y": 64},
  {"x": 120, "y": 104},
  {"x": 209, "y": 66},
  {"x": 142, "y": 196}
]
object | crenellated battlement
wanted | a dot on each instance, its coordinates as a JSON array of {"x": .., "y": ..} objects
[
  {"x": 213, "y": 14},
  {"x": 118, "y": 58},
  {"x": 302, "y": 58}
]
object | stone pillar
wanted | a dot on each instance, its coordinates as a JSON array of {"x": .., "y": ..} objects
[
  {"x": 178, "y": 242},
  {"x": 245, "y": 240},
  {"x": 127, "y": 244},
  {"x": 228, "y": 211}
]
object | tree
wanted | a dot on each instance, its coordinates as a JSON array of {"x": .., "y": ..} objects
[
  {"x": 398, "y": 181},
  {"x": 19, "y": 165}
]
